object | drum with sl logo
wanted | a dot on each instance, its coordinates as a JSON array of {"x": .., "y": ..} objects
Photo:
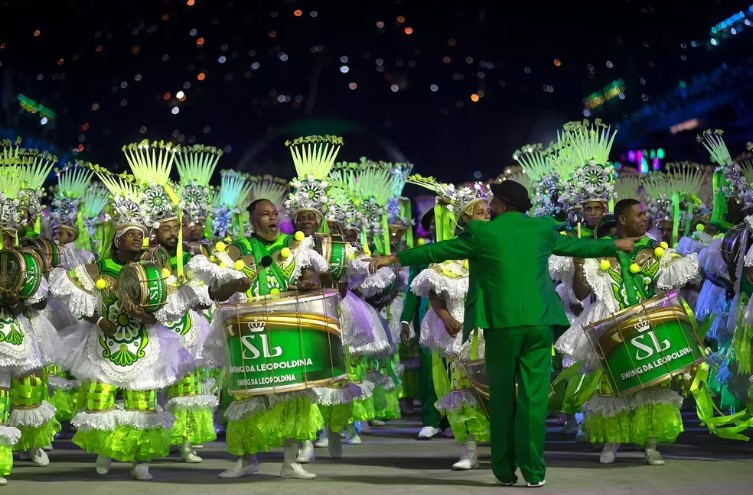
[
  {"x": 47, "y": 249},
  {"x": 646, "y": 344},
  {"x": 283, "y": 342},
  {"x": 333, "y": 250},
  {"x": 144, "y": 284},
  {"x": 21, "y": 271}
]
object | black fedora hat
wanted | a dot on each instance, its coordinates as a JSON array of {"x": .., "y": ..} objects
[{"x": 512, "y": 193}]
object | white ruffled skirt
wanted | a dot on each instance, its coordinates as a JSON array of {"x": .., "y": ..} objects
[{"x": 172, "y": 360}]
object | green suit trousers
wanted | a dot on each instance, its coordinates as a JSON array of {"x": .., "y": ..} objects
[{"x": 518, "y": 426}]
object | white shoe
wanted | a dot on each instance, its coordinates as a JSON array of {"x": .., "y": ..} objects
[
  {"x": 103, "y": 464},
  {"x": 248, "y": 464},
  {"x": 609, "y": 453},
  {"x": 323, "y": 441},
  {"x": 295, "y": 471},
  {"x": 537, "y": 484},
  {"x": 377, "y": 422},
  {"x": 306, "y": 454},
  {"x": 653, "y": 457},
  {"x": 428, "y": 432},
  {"x": 140, "y": 471},
  {"x": 188, "y": 455},
  {"x": 335, "y": 447},
  {"x": 469, "y": 459},
  {"x": 464, "y": 464},
  {"x": 198, "y": 446},
  {"x": 3, "y": 481},
  {"x": 351, "y": 437},
  {"x": 39, "y": 457}
]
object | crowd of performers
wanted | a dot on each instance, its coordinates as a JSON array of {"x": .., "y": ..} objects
[{"x": 134, "y": 374}]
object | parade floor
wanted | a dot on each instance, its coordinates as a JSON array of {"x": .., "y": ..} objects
[{"x": 391, "y": 461}]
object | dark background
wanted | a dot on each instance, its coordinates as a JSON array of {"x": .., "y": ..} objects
[{"x": 112, "y": 77}]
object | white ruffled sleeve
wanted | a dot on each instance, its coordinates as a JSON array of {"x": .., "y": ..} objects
[
  {"x": 711, "y": 261},
  {"x": 377, "y": 283},
  {"x": 600, "y": 283},
  {"x": 82, "y": 297},
  {"x": 561, "y": 268},
  {"x": 430, "y": 280},
  {"x": 210, "y": 274},
  {"x": 185, "y": 298},
  {"x": 306, "y": 257},
  {"x": 40, "y": 294},
  {"x": 676, "y": 271}
]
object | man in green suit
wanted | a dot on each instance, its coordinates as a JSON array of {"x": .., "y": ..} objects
[{"x": 512, "y": 298}]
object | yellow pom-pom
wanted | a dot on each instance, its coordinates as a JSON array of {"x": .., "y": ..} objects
[
  {"x": 274, "y": 291},
  {"x": 299, "y": 236},
  {"x": 563, "y": 232},
  {"x": 285, "y": 253},
  {"x": 220, "y": 246},
  {"x": 239, "y": 265},
  {"x": 664, "y": 245},
  {"x": 465, "y": 264},
  {"x": 604, "y": 265},
  {"x": 101, "y": 283},
  {"x": 635, "y": 268},
  {"x": 421, "y": 241},
  {"x": 165, "y": 273},
  {"x": 700, "y": 227},
  {"x": 659, "y": 252},
  {"x": 228, "y": 239}
]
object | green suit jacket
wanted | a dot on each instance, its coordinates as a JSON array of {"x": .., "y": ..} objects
[{"x": 509, "y": 282}]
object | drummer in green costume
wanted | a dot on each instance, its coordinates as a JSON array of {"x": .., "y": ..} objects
[
  {"x": 119, "y": 347},
  {"x": 512, "y": 298},
  {"x": 192, "y": 406},
  {"x": 276, "y": 263},
  {"x": 27, "y": 422},
  {"x": 652, "y": 415}
]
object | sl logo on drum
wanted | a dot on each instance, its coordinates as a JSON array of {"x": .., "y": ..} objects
[
  {"x": 646, "y": 350},
  {"x": 250, "y": 350}
]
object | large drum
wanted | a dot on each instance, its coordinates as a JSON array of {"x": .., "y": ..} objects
[
  {"x": 472, "y": 361},
  {"x": 144, "y": 284},
  {"x": 333, "y": 250},
  {"x": 20, "y": 271},
  {"x": 646, "y": 344},
  {"x": 47, "y": 249},
  {"x": 283, "y": 342},
  {"x": 157, "y": 255}
]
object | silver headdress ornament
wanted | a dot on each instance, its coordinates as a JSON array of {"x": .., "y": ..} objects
[
  {"x": 10, "y": 213},
  {"x": 67, "y": 203},
  {"x": 537, "y": 165},
  {"x": 343, "y": 179},
  {"x": 196, "y": 165},
  {"x": 151, "y": 164},
  {"x": 313, "y": 157},
  {"x": 128, "y": 209},
  {"x": 594, "y": 179},
  {"x": 34, "y": 167}
]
